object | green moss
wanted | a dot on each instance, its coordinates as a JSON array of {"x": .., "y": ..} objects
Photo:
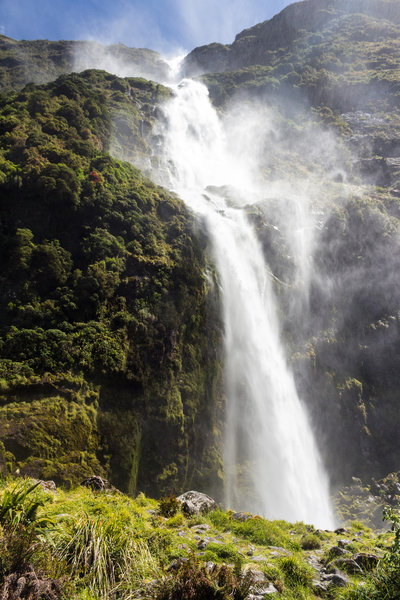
[{"x": 102, "y": 279}]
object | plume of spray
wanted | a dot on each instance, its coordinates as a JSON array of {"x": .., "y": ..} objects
[
  {"x": 223, "y": 167},
  {"x": 272, "y": 462}
]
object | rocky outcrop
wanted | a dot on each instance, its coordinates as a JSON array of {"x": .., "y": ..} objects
[
  {"x": 195, "y": 503},
  {"x": 257, "y": 45},
  {"x": 97, "y": 484}
]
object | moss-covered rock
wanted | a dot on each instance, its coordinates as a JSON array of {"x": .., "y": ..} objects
[{"x": 109, "y": 339}]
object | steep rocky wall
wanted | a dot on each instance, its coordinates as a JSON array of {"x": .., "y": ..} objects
[{"x": 110, "y": 334}]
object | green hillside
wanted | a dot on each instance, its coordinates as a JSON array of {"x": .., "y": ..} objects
[
  {"x": 107, "y": 333},
  {"x": 98, "y": 545}
]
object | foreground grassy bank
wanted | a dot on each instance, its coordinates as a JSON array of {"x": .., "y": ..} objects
[{"x": 88, "y": 545}]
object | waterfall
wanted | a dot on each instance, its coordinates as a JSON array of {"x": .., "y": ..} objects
[{"x": 272, "y": 463}]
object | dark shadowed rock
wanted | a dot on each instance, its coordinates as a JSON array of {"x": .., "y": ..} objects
[
  {"x": 336, "y": 580},
  {"x": 366, "y": 561},
  {"x": 97, "y": 484},
  {"x": 336, "y": 552},
  {"x": 349, "y": 566},
  {"x": 195, "y": 503},
  {"x": 176, "y": 564}
]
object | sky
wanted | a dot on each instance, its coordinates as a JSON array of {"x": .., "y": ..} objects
[{"x": 168, "y": 26}]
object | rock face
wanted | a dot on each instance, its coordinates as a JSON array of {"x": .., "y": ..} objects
[
  {"x": 256, "y": 45},
  {"x": 41, "y": 61},
  {"x": 109, "y": 373},
  {"x": 195, "y": 503}
]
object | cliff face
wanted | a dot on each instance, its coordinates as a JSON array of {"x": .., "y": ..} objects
[
  {"x": 270, "y": 40},
  {"x": 319, "y": 67},
  {"x": 109, "y": 331}
]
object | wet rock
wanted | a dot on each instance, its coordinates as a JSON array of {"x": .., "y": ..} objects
[
  {"x": 314, "y": 562},
  {"x": 278, "y": 551},
  {"x": 343, "y": 543},
  {"x": 340, "y": 531},
  {"x": 202, "y": 544},
  {"x": 194, "y": 503},
  {"x": 48, "y": 486},
  {"x": 319, "y": 587},
  {"x": 259, "y": 594},
  {"x": 256, "y": 576},
  {"x": 210, "y": 566}
]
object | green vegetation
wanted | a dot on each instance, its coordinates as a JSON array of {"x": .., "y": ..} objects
[
  {"x": 103, "y": 300},
  {"x": 41, "y": 61},
  {"x": 86, "y": 544},
  {"x": 110, "y": 332},
  {"x": 341, "y": 58}
]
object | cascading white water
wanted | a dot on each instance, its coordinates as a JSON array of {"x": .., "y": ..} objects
[{"x": 272, "y": 463}]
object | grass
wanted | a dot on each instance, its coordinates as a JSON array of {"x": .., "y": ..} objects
[
  {"x": 108, "y": 545},
  {"x": 255, "y": 529}
]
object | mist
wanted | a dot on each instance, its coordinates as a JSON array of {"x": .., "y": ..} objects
[{"x": 325, "y": 234}]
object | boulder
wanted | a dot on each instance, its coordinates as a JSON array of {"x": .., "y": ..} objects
[
  {"x": 365, "y": 560},
  {"x": 241, "y": 516},
  {"x": 97, "y": 484},
  {"x": 349, "y": 566},
  {"x": 336, "y": 580},
  {"x": 195, "y": 503},
  {"x": 48, "y": 486}
]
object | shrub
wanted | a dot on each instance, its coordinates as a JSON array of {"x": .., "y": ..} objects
[
  {"x": 24, "y": 530},
  {"x": 168, "y": 506},
  {"x": 295, "y": 573},
  {"x": 384, "y": 582},
  {"x": 195, "y": 582},
  {"x": 310, "y": 542}
]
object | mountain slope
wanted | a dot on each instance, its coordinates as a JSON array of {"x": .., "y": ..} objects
[
  {"x": 299, "y": 23},
  {"x": 326, "y": 75},
  {"x": 41, "y": 61},
  {"x": 106, "y": 340}
]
